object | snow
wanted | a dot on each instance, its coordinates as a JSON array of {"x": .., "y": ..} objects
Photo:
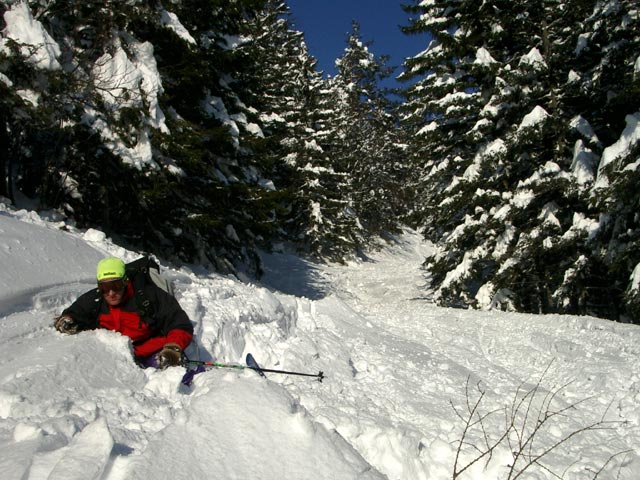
[
  {"x": 29, "y": 95},
  {"x": 396, "y": 367},
  {"x": 504, "y": 241},
  {"x": 483, "y": 57},
  {"x": 533, "y": 59},
  {"x": 573, "y": 77},
  {"x": 312, "y": 146},
  {"x": 533, "y": 118},
  {"x": 429, "y": 127},
  {"x": 584, "y": 128},
  {"x": 635, "y": 279},
  {"x": 582, "y": 43},
  {"x": 172, "y": 22},
  {"x": 584, "y": 163},
  {"x": 36, "y": 44},
  {"x": 131, "y": 82},
  {"x": 122, "y": 78},
  {"x": 129, "y": 79},
  {"x": 272, "y": 118},
  {"x": 492, "y": 149},
  {"x": 548, "y": 170},
  {"x": 215, "y": 107},
  {"x": 547, "y": 215},
  {"x": 582, "y": 223},
  {"x": 523, "y": 198},
  {"x": 453, "y": 100},
  {"x": 620, "y": 149},
  {"x": 233, "y": 41},
  {"x": 6, "y": 80}
]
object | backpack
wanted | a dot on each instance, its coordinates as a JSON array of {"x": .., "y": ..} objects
[
  {"x": 151, "y": 273},
  {"x": 141, "y": 272}
]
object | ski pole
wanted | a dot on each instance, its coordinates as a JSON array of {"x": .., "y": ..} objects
[{"x": 319, "y": 375}]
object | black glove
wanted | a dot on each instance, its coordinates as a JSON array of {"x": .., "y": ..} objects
[
  {"x": 169, "y": 356},
  {"x": 65, "y": 324}
]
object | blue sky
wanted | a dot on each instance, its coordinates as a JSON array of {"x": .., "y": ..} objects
[{"x": 326, "y": 24}]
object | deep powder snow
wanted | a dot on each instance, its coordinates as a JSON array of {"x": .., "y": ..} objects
[{"x": 401, "y": 374}]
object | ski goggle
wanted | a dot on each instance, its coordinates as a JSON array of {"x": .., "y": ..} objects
[{"x": 113, "y": 285}]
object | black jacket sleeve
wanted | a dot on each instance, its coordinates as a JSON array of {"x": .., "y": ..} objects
[{"x": 85, "y": 310}]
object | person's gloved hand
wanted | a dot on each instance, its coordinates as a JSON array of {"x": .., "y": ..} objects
[
  {"x": 65, "y": 324},
  {"x": 169, "y": 356}
]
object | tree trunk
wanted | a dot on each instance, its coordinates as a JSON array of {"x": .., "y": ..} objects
[{"x": 5, "y": 159}]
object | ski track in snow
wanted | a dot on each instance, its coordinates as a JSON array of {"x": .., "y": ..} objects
[
  {"x": 399, "y": 343},
  {"x": 396, "y": 366}
]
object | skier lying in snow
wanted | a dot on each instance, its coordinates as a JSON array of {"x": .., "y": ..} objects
[{"x": 158, "y": 339}]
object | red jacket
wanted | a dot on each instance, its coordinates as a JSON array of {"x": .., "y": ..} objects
[{"x": 169, "y": 324}]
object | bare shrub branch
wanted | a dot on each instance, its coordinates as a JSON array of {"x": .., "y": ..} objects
[{"x": 526, "y": 420}]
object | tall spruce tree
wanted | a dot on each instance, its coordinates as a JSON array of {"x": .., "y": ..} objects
[
  {"x": 163, "y": 162},
  {"x": 213, "y": 129},
  {"x": 609, "y": 74},
  {"x": 505, "y": 195},
  {"x": 369, "y": 145},
  {"x": 51, "y": 127},
  {"x": 326, "y": 219},
  {"x": 298, "y": 116}
]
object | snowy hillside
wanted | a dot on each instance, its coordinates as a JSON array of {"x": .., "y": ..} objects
[{"x": 397, "y": 371}]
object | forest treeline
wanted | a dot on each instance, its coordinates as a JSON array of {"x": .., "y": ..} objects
[{"x": 202, "y": 131}]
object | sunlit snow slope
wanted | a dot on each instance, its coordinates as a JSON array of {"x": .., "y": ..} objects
[{"x": 397, "y": 371}]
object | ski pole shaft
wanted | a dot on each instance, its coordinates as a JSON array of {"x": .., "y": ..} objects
[
  {"x": 319, "y": 375},
  {"x": 217, "y": 365}
]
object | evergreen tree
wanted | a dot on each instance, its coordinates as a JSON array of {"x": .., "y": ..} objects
[
  {"x": 284, "y": 71},
  {"x": 170, "y": 168},
  {"x": 368, "y": 145},
  {"x": 608, "y": 73},
  {"x": 326, "y": 219},
  {"x": 297, "y": 114},
  {"x": 509, "y": 205}
]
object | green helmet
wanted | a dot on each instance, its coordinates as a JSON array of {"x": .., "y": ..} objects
[{"x": 110, "y": 269}]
